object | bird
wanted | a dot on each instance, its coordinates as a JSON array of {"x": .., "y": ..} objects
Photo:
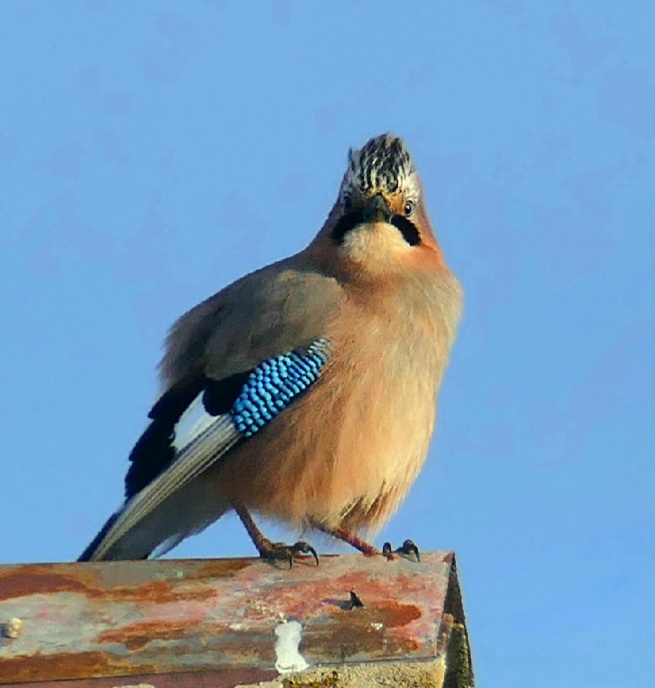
[{"x": 305, "y": 392}]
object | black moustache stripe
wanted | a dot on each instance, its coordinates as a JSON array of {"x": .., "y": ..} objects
[
  {"x": 350, "y": 220},
  {"x": 346, "y": 223},
  {"x": 407, "y": 228}
]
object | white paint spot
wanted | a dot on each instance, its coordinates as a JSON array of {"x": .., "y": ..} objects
[{"x": 288, "y": 636}]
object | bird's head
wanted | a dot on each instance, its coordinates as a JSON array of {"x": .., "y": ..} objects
[{"x": 379, "y": 221}]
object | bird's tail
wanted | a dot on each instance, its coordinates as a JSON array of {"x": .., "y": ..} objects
[
  {"x": 135, "y": 544},
  {"x": 149, "y": 540},
  {"x": 88, "y": 553},
  {"x": 186, "y": 513}
]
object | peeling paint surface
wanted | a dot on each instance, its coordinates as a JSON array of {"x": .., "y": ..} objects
[{"x": 138, "y": 619}]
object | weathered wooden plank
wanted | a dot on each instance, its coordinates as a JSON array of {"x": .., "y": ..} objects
[{"x": 225, "y": 622}]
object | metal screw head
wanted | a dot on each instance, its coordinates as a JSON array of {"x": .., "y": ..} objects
[{"x": 11, "y": 628}]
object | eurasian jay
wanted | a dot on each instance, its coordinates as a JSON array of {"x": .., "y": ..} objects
[{"x": 307, "y": 390}]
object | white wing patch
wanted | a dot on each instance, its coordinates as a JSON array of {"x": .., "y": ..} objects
[{"x": 193, "y": 422}]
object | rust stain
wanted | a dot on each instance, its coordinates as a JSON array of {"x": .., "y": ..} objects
[
  {"x": 393, "y": 614},
  {"x": 157, "y": 591},
  {"x": 222, "y": 568},
  {"x": 222, "y": 678},
  {"x": 137, "y": 636},
  {"x": 284, "y": 595},
  {"x": 65, "y": 665},
  {"x": 355, "y": 642},
  {"x": 362, "y": 632},
  {"x": 27, "y": 581},
  {"x": 101, "y": 584},
  {"x": 12, "y": 587}
]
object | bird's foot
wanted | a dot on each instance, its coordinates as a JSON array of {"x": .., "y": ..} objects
[
  {"x": 275, "y": 551},
  {"x": 278, "y": 551},
  {"x": 407, "y": 549}
]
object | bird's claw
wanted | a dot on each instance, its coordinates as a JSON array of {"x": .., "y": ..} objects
[
  {"x": 408, "y": 548},
  {"x": 280, "y": 550},
  {"x": 302, "y": 547}
]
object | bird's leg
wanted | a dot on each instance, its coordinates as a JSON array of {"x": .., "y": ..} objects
[
  {"x": 349, "y": 537},
  {"x": 272, "y": 550},
  {"x": 408, "y": 548}
]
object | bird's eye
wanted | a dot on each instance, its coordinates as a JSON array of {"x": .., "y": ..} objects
[
  {"x": 409, "y": 208},
  {"x": 347, "y": 203}
]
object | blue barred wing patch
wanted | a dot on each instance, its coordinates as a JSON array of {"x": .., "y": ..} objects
[{"x": 275, "y": 383}]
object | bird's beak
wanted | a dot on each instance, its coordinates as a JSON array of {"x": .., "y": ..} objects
[{"x": 376, "y": 210}]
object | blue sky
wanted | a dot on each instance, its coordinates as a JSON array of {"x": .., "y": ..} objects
[{"x": 152, "y": 152}]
